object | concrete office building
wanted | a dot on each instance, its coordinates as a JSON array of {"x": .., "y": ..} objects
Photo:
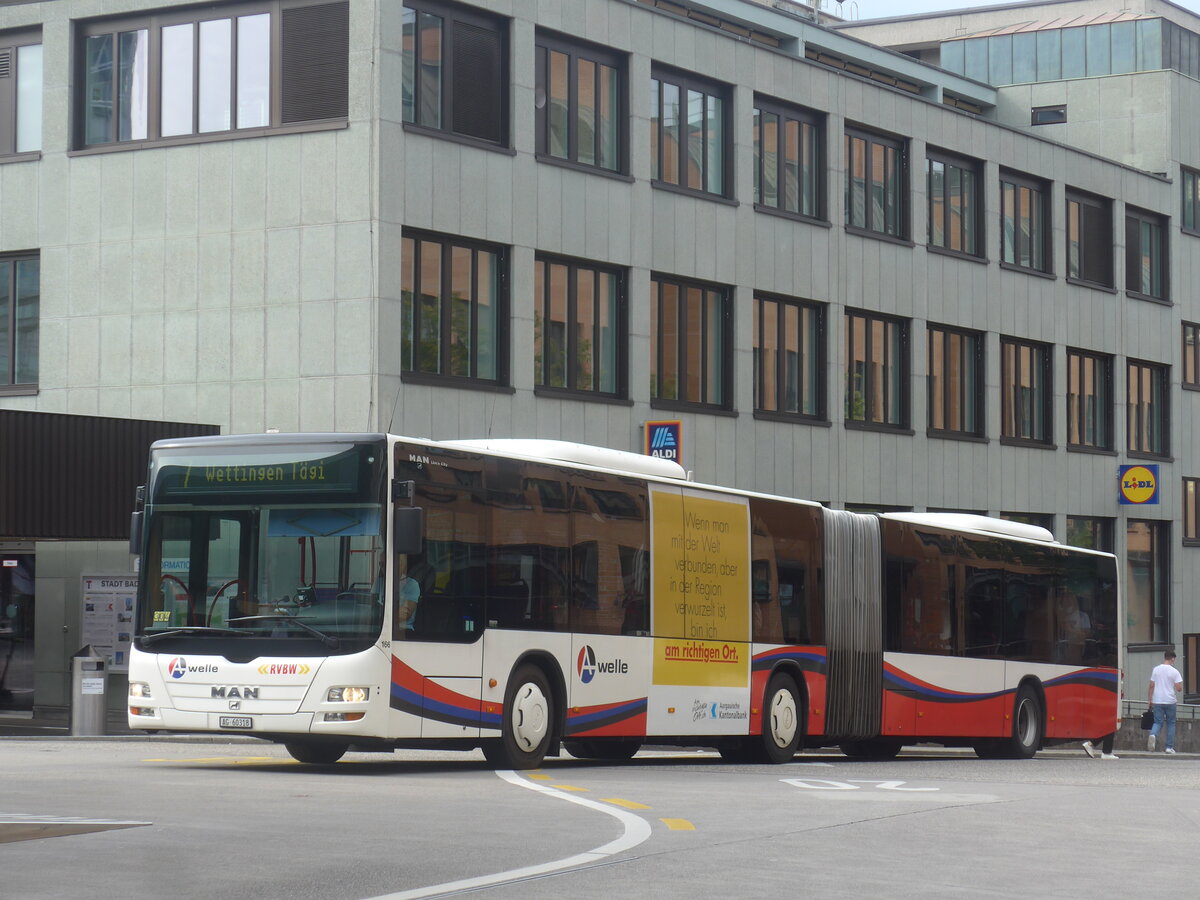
[{"x": 853, "y": 276}]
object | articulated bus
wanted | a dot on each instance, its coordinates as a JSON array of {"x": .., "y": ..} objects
[{"x": 372, "y": 592}]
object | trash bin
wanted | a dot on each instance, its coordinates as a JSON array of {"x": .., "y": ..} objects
[{"x": 88, "y": 682}]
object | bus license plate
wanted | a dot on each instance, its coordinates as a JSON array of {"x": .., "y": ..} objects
[{"x": 236, "y": 722}]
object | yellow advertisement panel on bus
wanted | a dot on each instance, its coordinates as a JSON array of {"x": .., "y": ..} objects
[{"x": 700, "y": 553}]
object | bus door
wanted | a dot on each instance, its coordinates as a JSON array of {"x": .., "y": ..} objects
[{"x": 437, "y": 650}]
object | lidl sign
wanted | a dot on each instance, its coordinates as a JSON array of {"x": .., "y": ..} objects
[
  {"x": 664, "y": 439},
  {"x": 1139, "y": 485}
]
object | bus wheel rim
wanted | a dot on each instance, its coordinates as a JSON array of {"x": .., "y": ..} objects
[
  {"x": 530, "y": 716},
  {"x": 783, "y": 718}
]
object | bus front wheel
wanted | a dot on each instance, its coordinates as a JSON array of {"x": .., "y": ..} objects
[
  {"x": 316, "y": 754},
  {"x": 783, "y": 726},
  {"x": 526, "y": 724}
]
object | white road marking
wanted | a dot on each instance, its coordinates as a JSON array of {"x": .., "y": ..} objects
[{"x": 637, "y": 830}]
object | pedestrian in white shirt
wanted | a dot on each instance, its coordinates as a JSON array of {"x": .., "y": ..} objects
[{"x": 1165, "y": 686}]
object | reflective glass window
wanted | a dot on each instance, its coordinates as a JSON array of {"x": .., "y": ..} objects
[{"x": 29, "y": 99}]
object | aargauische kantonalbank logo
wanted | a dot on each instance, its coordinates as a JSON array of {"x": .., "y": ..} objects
[{"x": 588, "y": 668}]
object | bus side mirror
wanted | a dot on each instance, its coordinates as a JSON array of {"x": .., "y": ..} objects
[
  {"x": 408, "y": 530},
  {"x": 135, "y": 533}
]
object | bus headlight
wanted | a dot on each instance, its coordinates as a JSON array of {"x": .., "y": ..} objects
[
  {"x": 139, "y": 689},
  {"x": 348, "y": 695}
]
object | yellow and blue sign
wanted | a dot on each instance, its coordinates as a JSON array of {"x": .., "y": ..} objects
[
  {"x": 665, "y": 440},
  {"x": 1138, "y": 485}
]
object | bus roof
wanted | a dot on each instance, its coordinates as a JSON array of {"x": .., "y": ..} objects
[
  {"x": 973, "y": 522},
  {"x": 584, "y": 454}
]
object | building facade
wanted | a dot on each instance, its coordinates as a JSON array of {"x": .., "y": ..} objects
[{"x": 853, "y": 276}]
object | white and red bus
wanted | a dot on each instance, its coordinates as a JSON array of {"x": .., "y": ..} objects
[{"x": 367, "y": 591}]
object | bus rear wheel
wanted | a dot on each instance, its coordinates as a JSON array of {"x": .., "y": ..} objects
[
  {"x": 316, "y": 754},
  {"x": 527, "y": 723},
  {"x": 610, "y": 748},
  {"x": 1028, "y": 723}
]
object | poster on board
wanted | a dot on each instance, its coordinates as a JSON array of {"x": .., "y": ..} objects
[{"x": 108, "y": 616}]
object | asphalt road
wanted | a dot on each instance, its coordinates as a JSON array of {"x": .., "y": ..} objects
[{"x": 172, "y": 819}]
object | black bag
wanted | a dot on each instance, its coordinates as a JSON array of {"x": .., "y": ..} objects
[{"x": 1147, "y": 720}]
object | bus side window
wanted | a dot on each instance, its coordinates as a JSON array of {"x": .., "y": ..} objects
[
  {"x": 787, "y": 541},
  {"x": 610, "y": 568}
]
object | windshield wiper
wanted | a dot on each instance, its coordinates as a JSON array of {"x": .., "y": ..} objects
[
  {"x": 151, "y": 636},
  {"x": 327, "y": 639}
]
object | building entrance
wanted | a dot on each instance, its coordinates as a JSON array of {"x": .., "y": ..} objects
[{"x": 16, "y": 631}]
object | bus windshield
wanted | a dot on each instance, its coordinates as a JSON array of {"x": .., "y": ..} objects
[{"x": 284, "y": 546}]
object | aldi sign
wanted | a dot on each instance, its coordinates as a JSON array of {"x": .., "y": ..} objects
[{"x": 664, "y": 440}]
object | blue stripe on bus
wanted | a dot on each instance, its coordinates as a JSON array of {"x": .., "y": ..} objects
[
  {"x": 897, "y": 682},
  {"x": 610, "y": 716},
  {"x": 418, "y": 705}
]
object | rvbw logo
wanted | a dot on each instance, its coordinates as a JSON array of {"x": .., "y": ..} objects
[{"x": 588, "y": 668}]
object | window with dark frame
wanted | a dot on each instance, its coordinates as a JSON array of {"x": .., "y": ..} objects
[
  {"x": 789, "y": 357},
  {"x": 20, "y": 301},
  {"x": 1048, "y": 115},
  {"x": 1191, "y": 511},
  {"x": 454, "y": 305},
  {"x": 455, "y": 71},
  {"x": 579, "y": 103},
  {"x": 876, "y": 184},
  {"x": 20, "y": 92},
  {"x": 955, "y": 381},
  {"x": 689, "y": 343},
  {"x": 1025, "y": 227},
  {"x": 789, "y": 172},
  {"x": 1146, "y": 417},
  {"x": 1191, "y": 355},
  {"x": 1025, "y": 386},
  {"x": 876, "y": 370},
  {"x": 955, "y": 204},
  {"x": 1190, "y": 208},
  {"x": 689, "y": 132},
  {"x": 1090, "y": 532},
  {"x": 1147, "y": 580},
  {"x": 1089, "y": 400},
  {"x": 188, "y": 74},
  {"x": 579, "y": 327},
  {"x": 1145, "y": 254},
  {"x": 1089, "y": 239}
]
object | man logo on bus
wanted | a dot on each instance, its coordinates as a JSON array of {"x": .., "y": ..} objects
[
  {"x": 177, "y": 667},
  {"x": 586, "y": 666}
]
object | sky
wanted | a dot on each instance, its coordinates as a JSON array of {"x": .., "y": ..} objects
[{"x": 874, "y": 9}]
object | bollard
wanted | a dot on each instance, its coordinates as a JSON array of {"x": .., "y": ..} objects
[{"x": 88, "y": 682}]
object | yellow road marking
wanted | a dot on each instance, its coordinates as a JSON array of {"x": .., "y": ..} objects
[
  {"x": 628, "y": 804},
  {"x": 540, "y": 777},
  {"x": 571, "y": 787},
  {"x": 678, "y": 824}
]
